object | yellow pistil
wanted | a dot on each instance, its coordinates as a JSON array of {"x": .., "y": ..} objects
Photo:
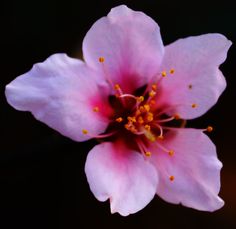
[
  {"x": 140, "y": 99},
  {"x": 119, "y": 119},
  {"x": 194, "y": 105},
  {"x": 148, "y": 154},
  {"x": 117, "y": 87},
  {"x": 150, "y": 136},
  {"x": 152, "y": 93},
  {"x": 163, "y": 73},
  {"x": 171, "y": 178},
  {"x": 209, "y": 129},
  {"x": 101, "y": 59},
  {"x": 171, "y": 152},
  {"x": 172, "y": 71},
  {"x": 96, "y": 109},
  {"x": 147, "y": 127},
  {"x": 84, "y": 131}
]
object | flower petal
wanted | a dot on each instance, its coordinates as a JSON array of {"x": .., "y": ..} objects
[
  {"x": 194, "y": 167},
  {"x": 122, "y": 175},
  {"x": 197, "y": 79},
  {"x": 131, "y": 44},
  {"x": 61, "y": 92}
]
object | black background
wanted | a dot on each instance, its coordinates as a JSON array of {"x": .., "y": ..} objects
[{"x": 42, "y": 179}]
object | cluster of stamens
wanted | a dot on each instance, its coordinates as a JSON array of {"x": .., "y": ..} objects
[{"x": 144, "y": 121}]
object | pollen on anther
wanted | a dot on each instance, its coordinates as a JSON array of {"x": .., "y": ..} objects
[
  {"x": 152, "y": 93},
  {"x": 101, "y": 59},
  {"x": 147, "y": 107},
  {"x": 171, "y": 152},
  {"x": 119, "y": 119},
  {"x": 140, "y": 99},
  {"x": 148, "y": 154},
  {"x": 172, "y": 71},
  {"x": 194, "y": 105},
  {"x": 163, "y": 73},
  {"x": 96, "y": 109},
  {"x": 171, "y": 178},
  {"x": 117, "y": 87},
  {"x": 140, "y": 120},
  {"x": 190, "y": 86},
  {"x": 84, "y": 131},
  {"x": 154, "y": 87},
  {"x": 176, "y": 116},
  {"x": 209, "y": 129}
]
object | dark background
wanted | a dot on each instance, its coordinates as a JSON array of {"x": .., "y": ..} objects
[{"x": 42, "y": 177}]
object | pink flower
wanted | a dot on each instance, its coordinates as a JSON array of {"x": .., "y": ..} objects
[{"x": 134, "y": 93}]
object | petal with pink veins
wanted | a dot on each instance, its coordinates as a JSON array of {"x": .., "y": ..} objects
[
  {"x": 131, "y": 44},
  {"x": 122, "y": 175},
  {"x": 62, "y": 93},
  {"x": 197, "y": 78},
  {"x": 191, "y": 176}
]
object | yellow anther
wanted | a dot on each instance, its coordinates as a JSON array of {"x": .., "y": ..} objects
[
  {"x": 96, "y": 109},
  {"x": 149, "y": 117},
  {"x": 148, "y": 154},
  {"x": 147, "y": 127},
  {"x": 152, "y": 102},
  {"x": 172, "y": 71},
  {"x": 117, "y": 87},
  {"x": 194, "y": 105},
  {"x": 190, "y": 86},
  {"x": 147, "y": 107},
  {"x": 140, "y": 99},
  {"x": 140, "y": 120},
  {"x": 152, "y": 93},
  {"x": 160, "y": 137},
  {"x": 84, "y": 131},
  {"x": 142, "y": 109},
  {"x": 171, "y": 178},
  {"x": 133, "y": 129},
  {"x": 209, "y": 129},
  {"x": 171, "y": 152},
  {"x": 119, "y": 119},
  {"x": 154, "y": 87},
  {"x": 101, "y": 59},
  {"x": 131, "y": 119},
  {"x": 176, "y": 116},
  {"x": 163, "y": 73}
]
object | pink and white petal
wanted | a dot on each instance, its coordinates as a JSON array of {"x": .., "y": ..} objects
[
  {"x": 194, "y": 167},
  {"x": 131, "y": 44},
  {"x": 197, "y": 78},
  {"x": 62, "y": 93},
  {"x": 122, "y": 175}
]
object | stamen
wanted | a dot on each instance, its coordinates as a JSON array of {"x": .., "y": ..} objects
[
  {"x": 209, "y": 129},
  {"x": 172, "y": 71},
  {"x": 166, "y": 120},
  {"x": 84, "y": 131},
  {"x": 171, "y": 178},
  {"x": 194, "y": 105},
  {"x": 154, "y": 87},
  {"x": 142, "y": 148},
  {"x": 96, "y": 109},
  {"x": 148, "y": 154},
  {"x": 140, "y": 120},
  {"x": 190, "y": 86},
  {"x": 131, "y": 119},
  {"x": 149, "y": 117},
  {"x": 147, "y": 107},
  {"x": 120, "y": 119},
  {"x": 152, "y": 93},
  {"x": 140, "y": 99},
  {"x": 160, "y": 137},
  {"x": 101, "y": 59},
  {"x": 152, "y": 102},
  {"x": 147, "y": 127},
  {"x": 163, "y": 73},
  {"x": 171, "y": 153},
  {"x": 117, "y": 87}
]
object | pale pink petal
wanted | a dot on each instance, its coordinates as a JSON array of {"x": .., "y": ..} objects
[
  {"x": 131, "y": 44},
  {"x": 197, "y": 79},
  {"x": 122, "y": 175},
  {"x": 195, "y": 168},
  {"x": 62, "y": 93}
]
